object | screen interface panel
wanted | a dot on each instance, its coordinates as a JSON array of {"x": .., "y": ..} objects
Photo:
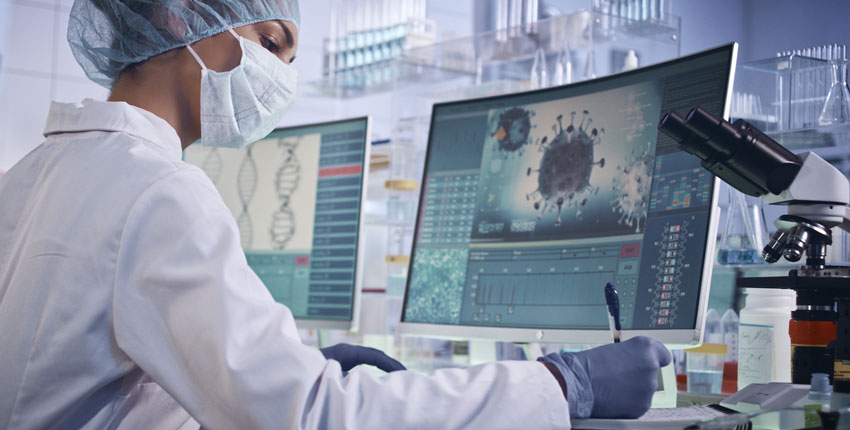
[
  {"x": 532, "y": 202},
  {"x": 296, "y": 197}
]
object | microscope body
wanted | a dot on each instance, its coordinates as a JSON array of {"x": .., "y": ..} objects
[
  {"x": 817, "y": 200},
  {"x": 819, "y": 192},
  {"x": 816, "y": 195}
]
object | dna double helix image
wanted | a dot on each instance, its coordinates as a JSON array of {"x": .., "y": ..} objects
[
  {"x": 287, "y": 177},
  {"x": 246, "y": 186}
]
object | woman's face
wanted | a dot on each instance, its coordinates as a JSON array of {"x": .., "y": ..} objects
[{"x": 222, "y": 53}]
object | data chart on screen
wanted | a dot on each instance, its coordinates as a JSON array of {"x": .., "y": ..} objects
[{"x": 296, "y": 198}]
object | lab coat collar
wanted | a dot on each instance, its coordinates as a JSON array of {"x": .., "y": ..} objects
[{"x": 91, "y": 115}]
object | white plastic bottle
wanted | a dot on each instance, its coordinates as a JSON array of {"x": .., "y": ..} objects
[
  {"x": 631, "y": 61},
  {"x": 764, "y": 345}
]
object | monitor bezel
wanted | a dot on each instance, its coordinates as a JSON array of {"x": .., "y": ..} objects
[
  {"x": 353, "y": 323},
  {"x": 671, "y": 337}
]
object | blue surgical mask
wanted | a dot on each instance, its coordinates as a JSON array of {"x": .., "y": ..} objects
[{"x": 245, "y": 104}]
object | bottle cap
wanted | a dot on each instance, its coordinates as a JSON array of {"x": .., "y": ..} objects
[
  {"x": 631, "y": 61},
  {"x": 820, "y": 383}
]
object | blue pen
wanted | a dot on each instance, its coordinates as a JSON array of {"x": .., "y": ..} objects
[{"x": 612, "y": 298}]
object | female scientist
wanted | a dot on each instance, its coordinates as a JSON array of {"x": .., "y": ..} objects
[{"x": 126, "y": 300}]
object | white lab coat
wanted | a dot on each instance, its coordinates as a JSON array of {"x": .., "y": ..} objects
[{"x": 126, "y": 302}]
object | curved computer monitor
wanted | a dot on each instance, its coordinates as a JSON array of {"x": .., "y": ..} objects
[
  {"x": 532, "y": 202},
  {"x": 296, "y": 196}
]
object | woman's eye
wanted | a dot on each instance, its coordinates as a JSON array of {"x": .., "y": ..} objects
[{"x": 269, "y": 44}]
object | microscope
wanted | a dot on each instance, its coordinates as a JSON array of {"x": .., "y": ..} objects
[{"x": 816, "y": 195}]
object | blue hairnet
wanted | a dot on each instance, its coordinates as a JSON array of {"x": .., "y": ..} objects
[{"x": 106, "y": 36}]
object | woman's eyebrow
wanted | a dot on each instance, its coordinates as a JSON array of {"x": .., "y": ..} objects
[{"x": 289, "y": 39}]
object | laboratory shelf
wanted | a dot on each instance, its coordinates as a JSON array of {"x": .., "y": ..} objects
[
  {"x": 755, "y": 270},
  {"x": 579, "y": 31},
  {"x": 835, "y": 136},
  {"x": 597, "y": 44},
  {"x": 379, "y": 79},
  {"x": 784, "y": 97}
]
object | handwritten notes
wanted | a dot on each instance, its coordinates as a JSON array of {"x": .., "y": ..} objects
[{"x": 755, "y": 354}]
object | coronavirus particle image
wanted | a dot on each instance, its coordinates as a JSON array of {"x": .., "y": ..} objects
[
  {"x": 563, "y": 176},
  {"x": 568, "y": 168}
]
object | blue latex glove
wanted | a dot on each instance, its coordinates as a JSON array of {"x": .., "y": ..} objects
[
  {"x": 612, "y": 381},
  {"x": 349, "y": 356}
]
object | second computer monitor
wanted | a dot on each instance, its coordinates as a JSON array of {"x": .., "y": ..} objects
[
  {"x": 532, "y": 202},
  {"x": 296, "y": 196}
]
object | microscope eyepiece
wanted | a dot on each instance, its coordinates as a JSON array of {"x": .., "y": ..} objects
[
  {"x": 674, "y": 125},
  {"x": 738, "y": 153}
]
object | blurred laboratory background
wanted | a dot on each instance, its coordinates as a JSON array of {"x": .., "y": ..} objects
[
  {"x": 36, "y": 64},
  {"x": 393, "y": 59}
]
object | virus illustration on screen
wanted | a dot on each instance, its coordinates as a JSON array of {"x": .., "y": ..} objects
[
  {"x": 631, "y": 187},
  {"x": 512, "y": 131},
  {"x": 563, "y": 178}
]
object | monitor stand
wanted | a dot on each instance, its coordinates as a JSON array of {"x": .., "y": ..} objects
[
  {"x": 481, "y": 351},
  {"x": 324, "y": 337},
  {"x": 532, "y": 350},
  {"x": 484, "y": 351}
]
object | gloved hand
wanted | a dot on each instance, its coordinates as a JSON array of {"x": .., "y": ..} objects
[
  {"x": 612, "y": 381},
  {"x": 349, "y": 356}
]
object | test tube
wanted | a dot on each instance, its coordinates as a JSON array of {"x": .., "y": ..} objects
[
  {"x": 368, "y": 34},
  {"x": 590, "y": 66},
  {"x": 624, "y": 11},
  {"x": 539, "y": 74},
  {"x": 564, "y": 67},
  {"x": 531, "y": 9},
  {"x": 515, "y": 17},
  {"x": 502, "y": 20},
  {"x": 350, "y": 35},
  {"x": 332, "y": 44}
]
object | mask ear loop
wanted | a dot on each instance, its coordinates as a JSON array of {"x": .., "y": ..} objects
[
  {"x": 239, "y": 39},
  {"x": 201, "y": 62},
  {"x": 197, "y": 58}
]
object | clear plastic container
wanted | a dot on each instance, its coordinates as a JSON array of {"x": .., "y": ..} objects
[
  {"x": 729, "y": 323},
  {"x": 705, "y": 368},
  {"x": 713, "y": 331},
  {"x": 782, "y": 93},
  {"x": 397, "y": 266}
]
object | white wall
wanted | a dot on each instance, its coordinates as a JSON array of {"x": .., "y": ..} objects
[{"x": 37, "y": 67}]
